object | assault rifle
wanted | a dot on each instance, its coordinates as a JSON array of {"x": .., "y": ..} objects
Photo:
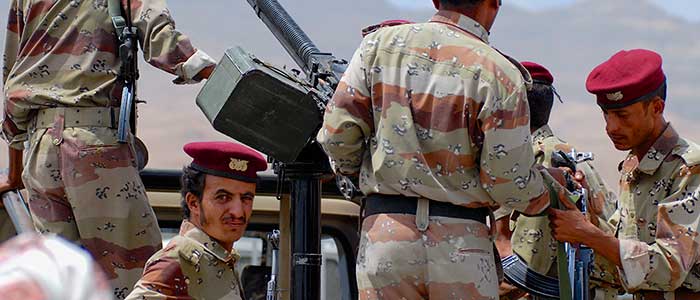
[
  {"x": 574, "y": 260},
  {"x": 272, "y": 289},
  {"x": 579, "y": 257},
  {"x": 128, "y": 74}
]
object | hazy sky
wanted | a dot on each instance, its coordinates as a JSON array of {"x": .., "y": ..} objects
[{"x": 687, "y": 9}]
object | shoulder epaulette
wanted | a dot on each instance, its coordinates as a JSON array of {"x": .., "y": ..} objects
[
  {"x": 190, "y": 251},
  {"x": 690, "y": 154},
  {"x": 389, "y": 23}
]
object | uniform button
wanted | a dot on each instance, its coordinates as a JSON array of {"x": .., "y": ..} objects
[{"x": 56, "y": 142}]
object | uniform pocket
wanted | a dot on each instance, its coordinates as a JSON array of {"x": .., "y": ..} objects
[{"x": 87, "y": 150}]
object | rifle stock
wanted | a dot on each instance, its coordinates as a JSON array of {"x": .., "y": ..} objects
[{"x": 18, "y": 212}]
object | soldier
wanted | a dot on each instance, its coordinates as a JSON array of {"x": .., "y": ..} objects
[
  {"x": 62, "y": 97},
  {"x": 434, "y": 122},
  {"x": 35, "y": 267},
  {"x": 218, "y": 188},
  {"x": 531, "y": 236},
  {"x": 655, "y": 246}
]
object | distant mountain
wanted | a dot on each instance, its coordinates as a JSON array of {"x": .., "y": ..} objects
[
  {"x": 574, "y": 39},
  {"x": 569, "y": 40}
]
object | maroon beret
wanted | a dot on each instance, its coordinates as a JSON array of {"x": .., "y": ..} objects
[
  {"x": 226, "y": 159},
  {"x": 436, "y": 3},
  {"x": 539, "y": 73},
  {"x": 626, "y": 78}
]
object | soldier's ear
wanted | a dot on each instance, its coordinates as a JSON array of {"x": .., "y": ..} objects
[
  {"x": 658, "y": 105},
  {"x": 193, "y": 203}
]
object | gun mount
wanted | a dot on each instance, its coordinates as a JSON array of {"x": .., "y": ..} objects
[{"x": 279, "y": 113}]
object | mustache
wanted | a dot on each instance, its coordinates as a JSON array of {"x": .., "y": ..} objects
[{"x": 231, "y": 218}]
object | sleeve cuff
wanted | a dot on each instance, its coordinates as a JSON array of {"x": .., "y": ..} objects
[
  {"x": 195, "y": 64},
  {"x": 502, "y": 212},
  {"x": 16, "y": 141},
  {"x": 635, "y": 263}
]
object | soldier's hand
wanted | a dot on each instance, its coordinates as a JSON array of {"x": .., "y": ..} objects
[
  {"x": 569, "y": 225},
  {"x": 204, "y": 74},
  {"x": 507, "y": 291},
  {"x": 8, "y": 185}
]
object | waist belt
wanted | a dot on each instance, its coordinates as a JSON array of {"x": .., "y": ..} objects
[
  {"x": 397, "y": 204},
  {"x": 77, "y": 117}
]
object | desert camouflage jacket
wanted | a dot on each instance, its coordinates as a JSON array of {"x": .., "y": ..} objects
[
  {"x": 657, "y": 221},
  {"x": 64, "y": 53},
  {"x": 659, "y": 218},
  {"x": 192, "y": 266},
  {"x": 431, "y": 110}
]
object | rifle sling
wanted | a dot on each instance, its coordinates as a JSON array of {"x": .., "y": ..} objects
[
  {"x": 565, "y": 292},
  {"x": 115, "y": 13}
]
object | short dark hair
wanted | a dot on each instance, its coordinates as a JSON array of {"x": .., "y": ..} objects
[
  {"x": 461, "y": 3},
  {"x": 660, "y": 92},
  {"x": 540, "y": 99},
  {"x": 192, "y": 181}
]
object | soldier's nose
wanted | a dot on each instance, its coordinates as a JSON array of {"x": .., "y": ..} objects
[{"x": 236, "y": 208}]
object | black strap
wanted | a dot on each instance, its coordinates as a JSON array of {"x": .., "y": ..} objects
[{"x": 399, "y": 204}]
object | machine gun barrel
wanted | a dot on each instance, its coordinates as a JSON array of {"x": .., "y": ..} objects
[
  {"x": 288, "y": 33},
  {"x": 322, "y": 69}
]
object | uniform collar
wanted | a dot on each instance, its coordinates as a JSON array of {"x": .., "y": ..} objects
[
  {"x": 542, "y": 133},
  {"x": 210, "y": 245},
  {"x": 656, "y": 155},
  {"x": 462, "y": 22}
]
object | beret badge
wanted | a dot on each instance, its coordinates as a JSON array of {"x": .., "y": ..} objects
[
  {"x": 615, "y": 96},
  {"x": 238, "y": 165}
]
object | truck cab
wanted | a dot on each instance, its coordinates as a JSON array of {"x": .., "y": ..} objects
[{"x": 339, "y": 234}]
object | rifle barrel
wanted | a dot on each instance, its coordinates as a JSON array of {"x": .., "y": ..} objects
[{"x": 287, "y": 31}]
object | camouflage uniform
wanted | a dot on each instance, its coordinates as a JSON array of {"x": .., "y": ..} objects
[
  {"x": 532, "y": 238},
  {"x": 61, "y": 95},
  {"x": 431, "y": 110},
  {"x": 657, "y": 221},
  {"x": 34, "y": 267},
  {"x": 191, "y": 266}
]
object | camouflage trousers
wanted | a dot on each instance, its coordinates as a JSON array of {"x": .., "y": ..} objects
[
  {"x": 452, "y": 259},
  {"x": 84, "y": 186}
]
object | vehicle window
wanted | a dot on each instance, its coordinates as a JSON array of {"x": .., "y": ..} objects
[
  {"x": 255, "y": 251},
  {"x": 331, "y": 288}
]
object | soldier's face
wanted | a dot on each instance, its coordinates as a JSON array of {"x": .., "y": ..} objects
[
  {"x": 225, "y": 208},
  {"x": 630, "y": 126}
]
